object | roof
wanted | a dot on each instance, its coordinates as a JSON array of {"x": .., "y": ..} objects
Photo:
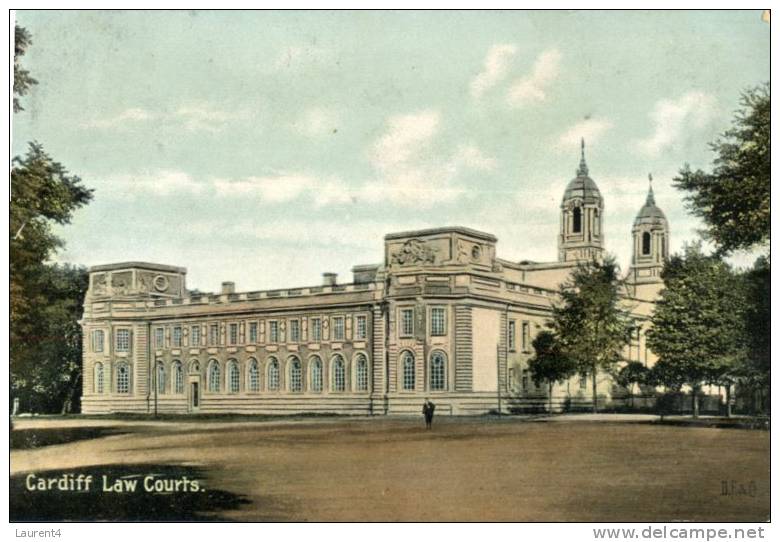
[
  {"x": 650, "y": 213},
  {"x": 138, "y": 265},
  {"x": 438, "y": 231}
]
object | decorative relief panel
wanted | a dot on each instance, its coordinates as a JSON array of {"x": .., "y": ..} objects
[{"x": 414, "y": 252}]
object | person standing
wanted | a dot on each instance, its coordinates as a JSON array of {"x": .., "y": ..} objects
[{"x": 428, "y": 409}]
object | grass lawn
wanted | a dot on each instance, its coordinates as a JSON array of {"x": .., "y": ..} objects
[{"x": 328, "y": 469}]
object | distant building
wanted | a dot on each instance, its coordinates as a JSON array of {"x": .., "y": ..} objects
[{"x": 442, "y": 317}]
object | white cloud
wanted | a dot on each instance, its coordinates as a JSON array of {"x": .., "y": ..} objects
[
  {"x": 406, "y": 136},
  {"x": 192, "y": 117},
  {"x": 157, "y": 183},
  {"x": 317, "y": 122},
  {"x": 128, "y": 116},
  {"x": 533, "y": 87},
  {"x": 409, "y": 172},
  {"x": 495, "y": 68},
  {"x": 285, "y": 187},
  {"x": 197, "y": 117},
  {"x": 591, "y": 129},
  {"x": 694, "y": 109}
]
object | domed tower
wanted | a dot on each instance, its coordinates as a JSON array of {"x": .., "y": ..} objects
[
  {"x": 582, "y": 208},
  {"x": 651, "y": 241}
]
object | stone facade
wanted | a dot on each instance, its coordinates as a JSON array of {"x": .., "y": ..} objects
[{"x": 442, "y": 317}]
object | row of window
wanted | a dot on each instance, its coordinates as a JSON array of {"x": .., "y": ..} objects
[
  {"x": 274, "y": 332},
  {"x": 437, "y": 322},
  {"x": 214, "y": 376},
  {"x": 296, "y": 375},
  {"x": 525, "y": 336}
]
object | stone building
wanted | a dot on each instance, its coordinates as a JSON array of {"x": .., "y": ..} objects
[{"x": 441, "y": 317}]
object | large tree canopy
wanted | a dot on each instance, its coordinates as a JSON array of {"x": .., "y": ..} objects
[
  {"x": 698, "y": 330},
  {"x": 45, "y": 299},
  {"x": 734, "y": 198},
  {"x": 590, "y": 323}
]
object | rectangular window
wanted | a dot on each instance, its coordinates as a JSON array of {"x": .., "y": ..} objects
[
  {"x": 438, "y": 322},
  {"x": 316, "y": 329},
  {"x": 511, "y": 334},
  {"x": 195, "y": 336},
  {"x": 233, "y": 334},
  {"x": 525, "y": 379},
  {"x": 177, "y": 336},
  {"x": 273, "y": 331},
  {"x": 360, "y": 328},
  {"x": 159, "y": 337},
  {"x": 97, "y": 340},
  {"x": 252, "y": 332},
  {"x": 526, "y": 336},
  {"x": 338, "y": 328},
  {"x": 407, "y": 322},
  {"x": 213, "y": 334},
  {"x": 123, "y": 340},
  {"x": 295, "y": 331}
]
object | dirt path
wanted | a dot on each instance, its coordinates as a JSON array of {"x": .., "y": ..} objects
[{"x": 393, "y": 469}]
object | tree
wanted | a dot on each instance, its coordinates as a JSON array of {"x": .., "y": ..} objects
[
  {"x": 590, "y": 324},
  {"x": 754, "y": 375},
  {"x": 631, "y": 374},
  {"x": 698, "y": 328},
  {"x": 45, "y": 299},
  {"x": 734, "y": 199},
  {"x": 22, "y": 79},
  {"x": 550, "y": 364}
]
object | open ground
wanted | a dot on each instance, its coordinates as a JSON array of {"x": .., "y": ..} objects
[{"x": 569, "y": 468}]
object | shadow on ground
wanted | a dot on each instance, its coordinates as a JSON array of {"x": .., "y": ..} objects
[
  {"x": 138, "y": 505},
  {"x": 26, "y": 439}
]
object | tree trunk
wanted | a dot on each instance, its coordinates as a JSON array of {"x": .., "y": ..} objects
[
  {"x": 695, "y": 399},
  {"x": 550, "y": 397},
  {"x": 728, "y": 400},
  {"x": 595, "y": 395}
]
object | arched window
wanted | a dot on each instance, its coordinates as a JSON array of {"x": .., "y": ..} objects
[
  {"x": 316, "y": 374},
  {"x": 178, "y": 377},
  {"x": 233, "y": 376},
  {"x": 254, "y": 376},
  {"x": 214, "y": 375},
  {"x": 160, "y": 378},
  {"x": 122, "y": 378},
  {"x": 645, "y": 243},
  {"x": 663, "y": 246},
  {"x": 99, "y": 378},
  {"x": 408, "y": 361},
  {"x": 576, "y": 226},
  {"x": 273, "y": 375},
  {"x": 438, "y": 371},
  {"x": 596, "y": 222},
  {"x": 339, "y": 376},
  {"x": 361, "y": 373},
  {"x": 296, "y": 378}
]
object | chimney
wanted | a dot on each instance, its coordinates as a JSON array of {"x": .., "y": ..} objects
[
  {"x": 329, "y": 279},
  {"x": 228, "y": 288}
]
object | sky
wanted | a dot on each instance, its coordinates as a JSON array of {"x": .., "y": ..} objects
[{"x": 268, "y": 147}]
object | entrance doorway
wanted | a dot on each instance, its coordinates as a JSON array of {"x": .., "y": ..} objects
[{"x": 194, "y": 395}]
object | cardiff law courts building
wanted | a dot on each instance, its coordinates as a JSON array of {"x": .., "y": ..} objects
[{"x": 443, "y": 316}]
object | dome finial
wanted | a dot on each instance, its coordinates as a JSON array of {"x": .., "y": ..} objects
[
  {"x": 650, "y": 195},
  {"x": 582, "y": 171}
]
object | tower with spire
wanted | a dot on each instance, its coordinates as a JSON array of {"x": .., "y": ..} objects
[
  {"x": 651, "y": 242},
  {"x": 581, "y": 225}
]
